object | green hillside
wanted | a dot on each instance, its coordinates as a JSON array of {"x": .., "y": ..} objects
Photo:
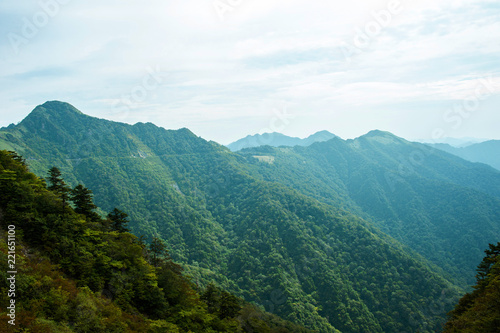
[
  {"x": 68, "y": 270},
  {"x": 225, "y": 220},
  {"x": 443, "y": 207}
]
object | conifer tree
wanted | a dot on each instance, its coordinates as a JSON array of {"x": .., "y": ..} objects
[
  {"x": 82, "y": 198},
  {"x": 158, "y": 250},
  {"x": 57, "y": 184},
  {"x": 489, "y": 260},
  {"x": 118, "y": 220}
]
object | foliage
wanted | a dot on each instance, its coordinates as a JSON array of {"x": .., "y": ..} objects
[
  {"x": 118, "y": 220},
  {"x": 443, "y": 208},
  {"x": 58, "y": 185},
  {"x": 82, "y": 198},
  {"x": 74, "y": 275},
  {"x": 479, "y": 311},
  {"x": 284, "y": 236}
]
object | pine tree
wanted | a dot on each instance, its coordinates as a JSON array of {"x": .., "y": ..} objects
[
  {"x": 57, "y": 185},
  {"x": 158, "y": 250},
  {"x": 118, "y": 220},
  {"x": 82, "y": 198},
  {"x": 489, "y": 260},
  {"x": 479, "y": 311}
]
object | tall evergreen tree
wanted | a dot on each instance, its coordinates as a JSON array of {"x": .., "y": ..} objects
[
  {"x": 57, "y": 184},
  {"x": 484, "y": 268},
  {"x": 118, "y": 220},
  {"x": 479, "y": 311},
  {"x": 158, "y": 251},
  {"x": 82, "y": 198}
]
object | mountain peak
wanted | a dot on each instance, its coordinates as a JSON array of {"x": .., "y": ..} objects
[
  {"x": 58, "y": 106},
  {"x": 379, "y": 133},
  {"x": 52, "y": 109},
  {"x": 319, "y": 137},
  {"x": 379, "y": 136}
]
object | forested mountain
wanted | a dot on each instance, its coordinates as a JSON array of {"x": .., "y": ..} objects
[
  {"x": 487, "y": 152},
  {"x": 69, "y": 270},
  {"x": 284, "y": 235},
  {"x": 443, "y": 207},
  {"x": 277, "y": 139}
]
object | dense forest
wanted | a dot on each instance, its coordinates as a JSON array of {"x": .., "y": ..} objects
[
  {"x": 444, "y": 208},
  {"x": 78, "y": 272},
  {"x": 302, "y": 235}
]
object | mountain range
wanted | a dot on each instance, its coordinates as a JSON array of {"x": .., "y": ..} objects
[
  {"x": 277, "y": 139},
  {"x": 486, "y": 152},
  {"x": 425, "y": 198},
  {"x": 375, "y": 234}
]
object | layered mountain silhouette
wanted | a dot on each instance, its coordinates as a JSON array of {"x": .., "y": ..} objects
[
  {"x": 487, "y": 152},
  {"x": 375, "y": 234},
  {"x": 277, "y": 139}
]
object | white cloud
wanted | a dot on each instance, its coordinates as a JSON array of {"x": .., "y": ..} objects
[{"x": 93, "y": 53}]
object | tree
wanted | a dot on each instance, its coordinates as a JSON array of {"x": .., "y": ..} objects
[
  {"x": 220, "y": 302},
  {"x": 57, "y": 184},
  {"x": 229, "y": 305},
  {"x": 211, "y": 296},
  {"x": 158, "y": 250},
  {"x": 17, "y": 157},
  {"x": 82, "y": 198},
  {"x": 479, "y": 311},
  {"x": 118, "y": 220},
  {"x": 489, "y": 260}
]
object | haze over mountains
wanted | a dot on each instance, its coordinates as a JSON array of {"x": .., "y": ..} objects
[
  {"x": 277, "y": 139},
  {"x": 470, "y": 149},
  {"x": 375, "y": 234},
  {"x": 487, "y": 152}
]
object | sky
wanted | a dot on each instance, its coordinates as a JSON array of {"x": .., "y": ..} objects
[{"x": 229, "y": 68}]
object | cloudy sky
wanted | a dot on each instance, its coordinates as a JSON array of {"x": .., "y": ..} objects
[{"x": 229, "y": 68}]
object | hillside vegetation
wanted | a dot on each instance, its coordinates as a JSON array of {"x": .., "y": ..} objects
[
  {"x": 259, "y": 230},
  {"x": 479, "y": 311},
  {"x": 78, "y": 272},
  {"x": 443, "y": 207}
]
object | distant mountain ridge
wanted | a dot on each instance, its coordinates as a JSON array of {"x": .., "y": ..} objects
[
  {"x": 454, "y": 142},
  {"x": 277, "y": 139},
  {"x": 487, "y": 152}
]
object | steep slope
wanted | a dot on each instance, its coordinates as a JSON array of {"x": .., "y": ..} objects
[
  {"x": 487, "y": 152},
  {"x": 309, "y": 262},
  {"x": 443, "y": 207},
  {"x": 278, "y": 139},
  {"x": 76, "y": 272}
]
